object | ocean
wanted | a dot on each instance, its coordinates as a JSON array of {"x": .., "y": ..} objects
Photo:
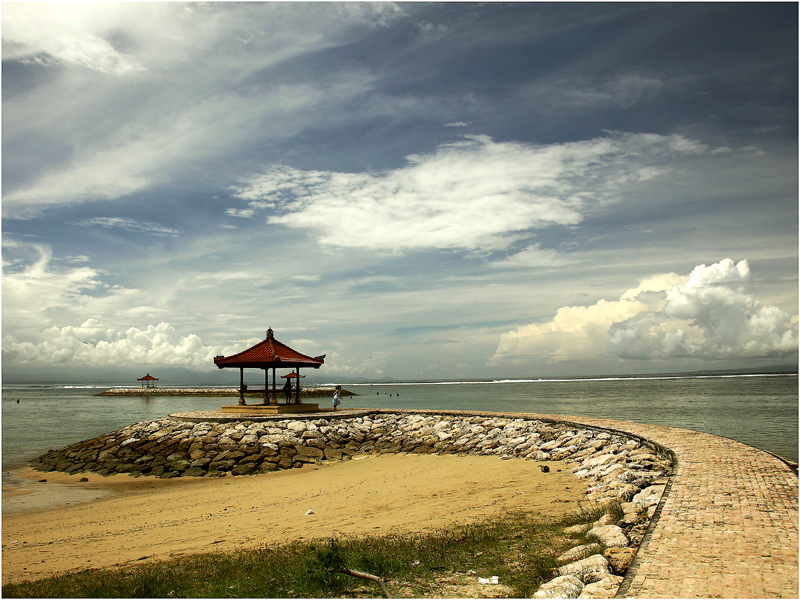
[{"x": 759, "y": 410}]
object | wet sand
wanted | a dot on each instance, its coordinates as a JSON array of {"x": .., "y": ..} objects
[{"x": 64, "y": 525}]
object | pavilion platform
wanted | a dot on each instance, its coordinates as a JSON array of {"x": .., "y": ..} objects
[{"x": 269, "y": 409}]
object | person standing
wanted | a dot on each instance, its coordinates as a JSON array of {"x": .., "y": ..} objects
[
  {"x": 337, "y": 394},
  {"x": 287, "y": 390}
]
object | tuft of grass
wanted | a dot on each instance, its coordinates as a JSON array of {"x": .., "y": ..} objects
[
  {"x": 588, "y": 513},
  {"x": 519, "y": 548}
]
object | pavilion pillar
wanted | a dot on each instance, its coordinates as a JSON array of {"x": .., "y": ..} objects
[
  {"x": 274, "y": 388},
  {"x": 241, "y": 387},
  {"x": 297, "y": 392}
]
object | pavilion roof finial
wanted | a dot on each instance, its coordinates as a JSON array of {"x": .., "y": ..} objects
[{"x": 270, "y": 333}]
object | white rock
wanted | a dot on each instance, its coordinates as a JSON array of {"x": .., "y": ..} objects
[
  {"x": 577, "y": 553},
  {"x": 567, "y": 586},
  {"x": 605, "y": 588},
  {"x": 649, "y": 496},
  {"x": 611, "y": 536},
  {"x": 596, "y": 461},
  {"x": 596, "y": 563},
  {"x": 606, "y": 519}
]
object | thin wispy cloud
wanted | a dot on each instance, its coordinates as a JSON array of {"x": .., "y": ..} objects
[{"x": 128, "y": 225}]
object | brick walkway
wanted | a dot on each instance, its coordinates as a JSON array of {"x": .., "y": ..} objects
[{"x": 727, "y": 526}]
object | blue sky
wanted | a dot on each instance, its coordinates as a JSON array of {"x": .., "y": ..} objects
[{"x": 416, "y": 190}]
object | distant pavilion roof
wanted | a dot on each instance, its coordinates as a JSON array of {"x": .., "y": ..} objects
[
  {"x": 148, "y": 380},
  {"x": 269, "y": 354}
]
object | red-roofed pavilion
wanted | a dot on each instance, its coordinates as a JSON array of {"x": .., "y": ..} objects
[
  {"x": 269, "y": 354},
  {"x": 148, "y": 380}
]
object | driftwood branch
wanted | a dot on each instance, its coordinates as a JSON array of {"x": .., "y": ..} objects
[{"x": 380, "y": 582}]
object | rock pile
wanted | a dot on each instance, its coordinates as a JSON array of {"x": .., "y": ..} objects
[
  {"x": 320, "y": 392},
  {"x": 596, "y": 569},
  {"x": 616, "y": 468}
]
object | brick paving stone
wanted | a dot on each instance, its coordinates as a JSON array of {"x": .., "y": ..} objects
[{"x": 728, "y": 526}]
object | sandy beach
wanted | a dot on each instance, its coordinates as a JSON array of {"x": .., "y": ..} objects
[{"x": 64, "y": 524}]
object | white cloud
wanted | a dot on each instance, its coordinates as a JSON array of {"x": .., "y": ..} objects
[
  {"x": 93, "y": 345},
  {"x": 473, "y": 194},
  {"x": 621, "y": 90},
  {"x": 242, "y": 213},
  {"x": 710, "y": 316},
  {"x": 37, "y": 290},
  {"x": 129, "y": 225},
  {"x": 705, "y": 316},
  {"x": 180, "y": 99},
  {"x": 51, "y": 33},
  {"x": 533, "y": 257},
  {"x": 119, "y": 38},
  {"x": 142, "y": 154}
]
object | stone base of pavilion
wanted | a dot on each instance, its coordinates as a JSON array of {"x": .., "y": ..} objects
[{"x": 270, "y": 409}]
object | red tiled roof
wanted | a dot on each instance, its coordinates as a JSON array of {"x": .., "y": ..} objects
[
  {"x": 147, "y": 377},
  {"x": 268, "y": 354}
]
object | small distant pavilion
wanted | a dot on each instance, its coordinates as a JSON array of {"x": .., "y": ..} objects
[
  {"x": 266, "y": 355},
  {"x": 148, "y": 380}
]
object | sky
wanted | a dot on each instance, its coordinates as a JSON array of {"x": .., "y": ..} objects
[{"x": 417, "y": 191}]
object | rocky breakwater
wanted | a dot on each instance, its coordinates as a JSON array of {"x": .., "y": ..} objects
[
  {"x": 318, "y": 392},
  {"x": 627, "y": 475}
]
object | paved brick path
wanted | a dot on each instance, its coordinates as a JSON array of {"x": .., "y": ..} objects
[{"x": 728, "y": 523}]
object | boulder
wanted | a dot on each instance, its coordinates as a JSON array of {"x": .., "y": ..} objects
[
  {"x": 607, "y": 587},
  {"x": 649, "y": 496},
  {"x": 611, "y": 536},
  {"x": 606, "y": 519},
  {"x": 194, "y": 472},
  {"x": 577, "y": 553},
  {"x": 619, "y": 559},
  {"x": 596, "y": 563},
  {"x": 567, "y": 586},
  {"x": 221, "y": 465},
  {"x": 243, "y": 469},
  {"x": 633, "y": 515},
  {"x": 577, "y": 529}
]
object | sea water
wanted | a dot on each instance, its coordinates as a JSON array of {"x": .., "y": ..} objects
[{"x": 759, "y": 410}]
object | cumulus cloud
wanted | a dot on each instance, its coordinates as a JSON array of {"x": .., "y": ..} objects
[
  {"x": 472, "y": 194},
  {"x": 707, "y": 315},
  {"x": 91, "y": 344}
]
